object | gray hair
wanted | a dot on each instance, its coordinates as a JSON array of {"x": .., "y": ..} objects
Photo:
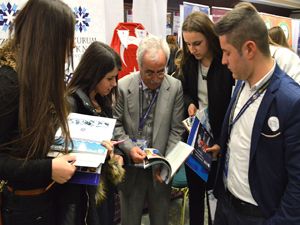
[{"x": 152, "y": 44}]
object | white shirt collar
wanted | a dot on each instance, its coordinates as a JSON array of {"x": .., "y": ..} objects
[{"x": 262, "y": 81}]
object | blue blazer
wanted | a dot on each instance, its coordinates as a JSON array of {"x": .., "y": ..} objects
[{"x": 274, "y": 168}]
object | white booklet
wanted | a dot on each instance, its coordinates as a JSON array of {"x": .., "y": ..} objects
[
  {"x": 170, "y": 163},
  {"x": 87, "y": 132}
]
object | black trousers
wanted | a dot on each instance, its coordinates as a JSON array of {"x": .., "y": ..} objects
[
  {"x": 227, "y": 213},
  {"x": 76, "y": 204},
  {"x": 197, "y": 191},
  {"x": 27, "y": 210},
  {"x": 106, "y": 209}
]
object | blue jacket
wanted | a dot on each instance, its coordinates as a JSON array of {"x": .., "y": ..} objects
[{"x": 274, "y": 168}]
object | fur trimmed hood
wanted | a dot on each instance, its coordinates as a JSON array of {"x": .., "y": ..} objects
[
  {"x": 112, "y": 173},
  {"x": 7, "y": 55}
]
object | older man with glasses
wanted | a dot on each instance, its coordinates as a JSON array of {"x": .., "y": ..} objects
[{"x": 149, "y": 114}]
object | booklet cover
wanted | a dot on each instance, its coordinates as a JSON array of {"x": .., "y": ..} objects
[
  {"x": 170, "y": 163},
  {"x": 87, "y": 132},
  {"x": 200, "y": 138},
  {"x": 87, "y": 176},
  {"x": 188, "y": 123},
  {"x": 88, "y": 153}
]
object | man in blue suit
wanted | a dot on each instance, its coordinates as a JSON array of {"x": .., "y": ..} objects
[{"x": 259, "y": 175}]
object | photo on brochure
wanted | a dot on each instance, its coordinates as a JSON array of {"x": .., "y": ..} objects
[
  {"x": 200, "y": 138},
  {"x": 203, "y": 141}
]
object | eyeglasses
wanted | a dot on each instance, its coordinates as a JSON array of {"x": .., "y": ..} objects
[{"x": 151, "y": 73}]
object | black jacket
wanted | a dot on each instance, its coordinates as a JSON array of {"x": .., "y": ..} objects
[
  {"x": 78, "y": 202},
  {"x": 219, "y": 88},
  {"x": 13, "y": 170}
]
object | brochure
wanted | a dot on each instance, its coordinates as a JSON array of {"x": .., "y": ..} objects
[
  {"x": 84, "y": 175},
  {"x": 87, "y": 132},
  {"x": 170, "y": 163},
  {"x": 188, "y": 122},
  {"x": 200, "y": 138}
]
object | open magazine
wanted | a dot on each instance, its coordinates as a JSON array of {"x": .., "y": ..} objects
[
  {"x": 87, "y": 132},
  {"x": 170, "y": 163},
  {"x": 200, "y": 138}
]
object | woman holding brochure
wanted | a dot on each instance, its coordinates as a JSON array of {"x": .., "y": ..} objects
[
  {"x": 206, "y": 84},
  {"x": 92, "y": 91},
  {"x": 32, "y": 107}
]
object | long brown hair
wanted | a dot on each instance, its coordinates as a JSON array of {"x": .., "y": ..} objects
[
  {"x": 277, "y": 35},
  {"x": 200, "y": 22},
  {"x": 97, "y": 60},
  {"x": 43, "y": 37}
]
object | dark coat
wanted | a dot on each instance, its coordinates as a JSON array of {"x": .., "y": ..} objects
[
  {"x": 274, "y": 168},
  {"x": 219, "y": 88}
]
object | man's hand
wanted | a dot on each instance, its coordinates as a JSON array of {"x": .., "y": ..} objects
[
  {"x": 63, "y": 168},
  {"x": 215, "y": 149},
  {"x": 137, "y": 155},
  {"x": 192, "y": 109}
]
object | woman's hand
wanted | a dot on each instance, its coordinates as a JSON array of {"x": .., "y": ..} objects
[
  {"x": 192, "y": 109},
  {"x": 215, "y": 149},
  {"x": 109, "y": 145},
  {"x": 63, "y": 168},
  {"x": 110, "y": 148}
]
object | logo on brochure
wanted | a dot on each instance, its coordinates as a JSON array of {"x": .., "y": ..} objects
[
  {"x": 7, "y": 14},
  {"x": 82, "y": 19}
]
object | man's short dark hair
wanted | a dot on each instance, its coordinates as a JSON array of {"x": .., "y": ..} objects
[{"x": 242, "y": 24}]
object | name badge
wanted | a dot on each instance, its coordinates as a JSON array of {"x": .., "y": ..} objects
[{"x": 141, "y": 143}]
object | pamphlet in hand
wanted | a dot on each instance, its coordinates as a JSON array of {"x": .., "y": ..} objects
[
  {"x": 87, "y": 132},
  {"x": 188, "y": 123},
  {"x": 170, "y": 163},
  {"x": 86, "y": 175},
  {"x": 200, "y": 138}
]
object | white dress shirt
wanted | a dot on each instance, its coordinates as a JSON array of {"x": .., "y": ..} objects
[{"x": 240, "y": 141}]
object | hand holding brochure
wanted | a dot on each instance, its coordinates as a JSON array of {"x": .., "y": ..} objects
[
  {"x": 169, "y": 164},
  {"x": 188, "y": 123},
  {"x": 87, "y": 132},
  {"x": 200, "y": 138}
]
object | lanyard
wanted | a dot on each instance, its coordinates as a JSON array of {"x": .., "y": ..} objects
[
  {"x": 246, "y": 105},
  {"x": 143, "y": 117}
]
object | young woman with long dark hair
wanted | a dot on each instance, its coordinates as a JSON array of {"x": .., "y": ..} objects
[
  {"x": 32, "y": 107},
  {"x": 92, "y": 90}
]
